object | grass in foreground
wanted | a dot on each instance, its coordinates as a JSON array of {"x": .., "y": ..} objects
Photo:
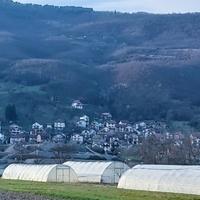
[{"x": 86, "y": 191}]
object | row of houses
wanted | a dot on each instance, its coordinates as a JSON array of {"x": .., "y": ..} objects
[
  {"x": 102, "y": 132},
  {"x": 38, "y": 133}
]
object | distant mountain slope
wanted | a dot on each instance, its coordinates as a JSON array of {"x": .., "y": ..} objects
[{"x": 137, "y": 66}]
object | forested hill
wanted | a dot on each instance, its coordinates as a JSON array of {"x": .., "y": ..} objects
[{"x": 137, "y": 66}]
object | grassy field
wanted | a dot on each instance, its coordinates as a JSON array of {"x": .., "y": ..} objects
[{"x": 86, "y": 192}]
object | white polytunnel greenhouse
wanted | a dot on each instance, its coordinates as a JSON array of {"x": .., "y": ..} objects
[
  {"x": 161, "y": 178},
  {"x": 98, "y": 171},
  {"x": 40, "y": 173}
]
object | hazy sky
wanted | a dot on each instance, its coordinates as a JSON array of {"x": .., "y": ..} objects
[{"x": 155, "y": 6}]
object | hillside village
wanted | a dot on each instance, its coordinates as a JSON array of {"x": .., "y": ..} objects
[{"x": 99, "y": 138}]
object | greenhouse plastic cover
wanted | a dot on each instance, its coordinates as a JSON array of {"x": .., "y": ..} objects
[
  {"x": 98, "y": 171},
  {"x": 40, "y": 173},
  {"x": 162, "y": 178}
]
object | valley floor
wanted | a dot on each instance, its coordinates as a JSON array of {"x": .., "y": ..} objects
[{"x": 20, "y": 190}]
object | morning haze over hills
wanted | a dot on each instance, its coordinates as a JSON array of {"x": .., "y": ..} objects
[{"x": 136, "y": 66}]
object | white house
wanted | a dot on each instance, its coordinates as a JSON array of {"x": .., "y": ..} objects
[
  {"x": 129, "y": 129},
  {"x": 88, "y": 133},
  {"x": 85, "y": 133},
  {"x": 37, "y": 134},
  {"x": 97, "y": 125},
  {"x": 135, "y": 139},
  {"x": 49, "y": 126},
  {"x": 77, "y": 105},
  {"x": 121, "y": 128},
  {"x": 123, "y": 123},
  {"x": 59, "y": 138},
  {"x": 78, "y": 138},
  {"x": 111, "y": 124},
  {"x": 17, "y": 135},
  {"x": 82, "y": 124},
  {"x": 36, "y": 125},
  {"x": 14, "y": 129},
  {"x": 85, "y": 118},
  {"x": 39, "y": 139},
  {"x": 2, "y": 138},
  {"x": 59, "y": 125}
]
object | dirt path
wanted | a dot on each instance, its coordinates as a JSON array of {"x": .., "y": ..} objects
[{"x": 20, "y": 196}]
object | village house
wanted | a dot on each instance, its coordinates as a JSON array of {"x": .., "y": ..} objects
[
  {"x": 106, "y": 116},
  {"x": 195, "y": 139},
  {"x": 129, "y": 129},
  {"x": 135, "y": 139},
  {"x": 85, "y": 118},
  {"x": 121, "y": 128},
  {"x": 59, "y": 138},
  {"x": 77, "y": 105},
  {"x": 88, "y": 133},
  {"x": 123, "y": 123},
  {"x": 17, "y": 135},
  {"x": 59, "y": 125},
  {"x": 178, "y": 138},
  {"x": 103, "y": 131},
  {"x": 2, "y": 138},
  {"x": 37, "y": 134},
  {"x": 38, "y": 126},
  {"x": 77, "y": 138},
  {"x": 111, "y": 124},
  {"x": 97, "y": 125},
  {"x": 85, "y": 134},
  {"x": 49, "y": 126},
  {"x": 83, "y": 122},
  {"x": 168, "y": 135},
  {"x": 114, "y": 142}
]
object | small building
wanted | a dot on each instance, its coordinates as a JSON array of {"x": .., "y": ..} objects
[
  {"x": 85, "y": 133},
  {"x": 79, "y": 139},
  {"x": 123, "y": 123},
  {"x": 36, "y": 125},
  {"x": 15, "y": 129},
  {"x": 97, "y": 125},
  {"x": 121, "y": 128},
  {"x": 77, "y": 105},
  {"x": 59, "y": 138},
  {"x": 111, "y": 124},
  {"x": 40, "y": 173},
  {"x": 98, "y": 171},
  {"x": 2, "y": 138},
  {"x": 88, "y": 133},
  {"x": 134, "y": 139},
  {"x": 85, "y": 118},
  {"x": 37, "y": 134},
  {"x": 59, "y": 125},
  {"x": 83, "y": 122},
  {"x": 17, "y": 135},
  {"x": 106, "y": 116},
  {"x": 129, "y": 129},
  {"x": 49, "y": 126}
]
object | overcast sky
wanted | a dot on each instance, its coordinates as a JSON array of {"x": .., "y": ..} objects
[{"x": 155, "y": 6}]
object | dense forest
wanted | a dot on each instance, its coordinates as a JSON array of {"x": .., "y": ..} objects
[{"x": 137, "y": 66}]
